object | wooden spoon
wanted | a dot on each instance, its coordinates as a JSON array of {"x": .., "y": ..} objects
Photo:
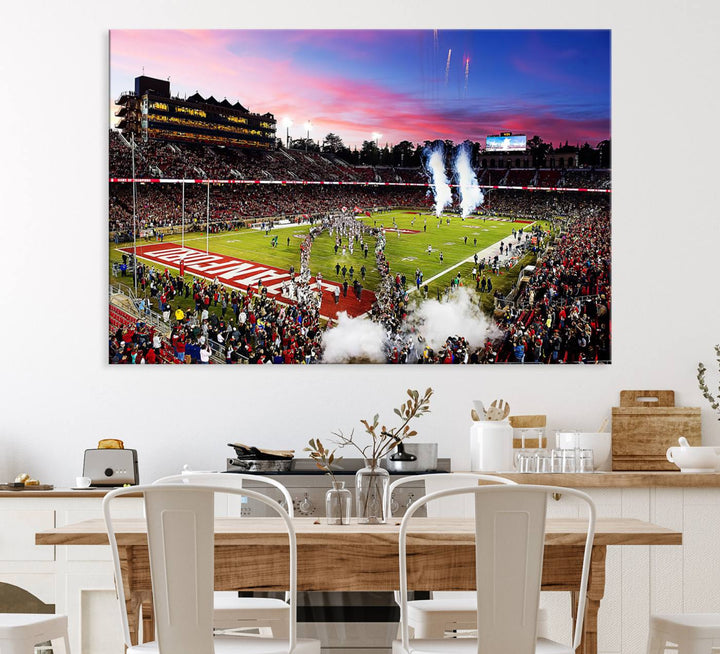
[
  {"x": 498, "y": 410},
  {"x": 506, "y": 410}
]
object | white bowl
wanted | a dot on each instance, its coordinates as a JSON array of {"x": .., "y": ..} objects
[
  {"x": 599, "y": 442},
  {"x": 695, "y": 459}
]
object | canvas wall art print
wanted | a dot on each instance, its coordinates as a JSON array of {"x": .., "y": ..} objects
[{"x": 360, "y": 196}]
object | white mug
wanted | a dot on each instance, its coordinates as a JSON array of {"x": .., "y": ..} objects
[{"x": 82, "y": 482}]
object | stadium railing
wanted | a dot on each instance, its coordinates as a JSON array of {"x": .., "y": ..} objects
[{"x": 148, "y": 316}]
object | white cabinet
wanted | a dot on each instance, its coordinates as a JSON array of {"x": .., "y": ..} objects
[
  {"x": 78, "y": 580},
  {"x": 17, "y": 537},
  {"x": 644, "y": 579}
]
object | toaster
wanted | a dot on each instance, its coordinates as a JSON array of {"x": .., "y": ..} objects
[{"x": 110, "y": 467}]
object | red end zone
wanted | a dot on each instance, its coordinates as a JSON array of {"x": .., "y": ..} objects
[{"x": 241, "y": 274}]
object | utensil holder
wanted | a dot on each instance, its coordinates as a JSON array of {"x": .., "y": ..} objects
[{"x": 491, "y": 444}]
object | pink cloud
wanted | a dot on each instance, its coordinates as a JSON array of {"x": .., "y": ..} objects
[{"x": 212, "y": 62}]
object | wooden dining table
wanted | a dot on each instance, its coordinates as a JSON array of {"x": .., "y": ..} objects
[{"x": 251, "y": 554}]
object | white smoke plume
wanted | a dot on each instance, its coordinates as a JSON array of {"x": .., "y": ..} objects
[
  {"x": 435, "y": 165},
  {"x": 471, "y": 196},
  {"x": 354, "y": 340},
  {"x": 457, "y": 316}
]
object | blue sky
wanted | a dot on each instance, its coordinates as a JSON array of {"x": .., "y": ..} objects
[{"x": 411, "y": 85}]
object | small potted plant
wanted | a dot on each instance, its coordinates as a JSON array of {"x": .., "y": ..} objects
[
  {"x": 372, "y": 481},
  {"x": 338, "y": 500}
]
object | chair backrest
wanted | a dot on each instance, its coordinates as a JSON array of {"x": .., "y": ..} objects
[
  {"x": 180, "y": 530},
  {"x": 509, "y": 545},
  {"x": 229, "y": 479},
  {"x": 442, "y": 480}
]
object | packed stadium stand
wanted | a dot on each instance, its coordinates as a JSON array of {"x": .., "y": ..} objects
[
  {"x": 126, "y": 329},
  {"x": 163, "y": 159},
  {"x": 560, "y": 315},
  {"x": 520, "y": 177},
  {"x": 548, "y": 178}
]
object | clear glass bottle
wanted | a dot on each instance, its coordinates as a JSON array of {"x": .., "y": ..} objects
[
  {"x": 371, "y": 486},
  {"x": 338, "y": 503}
]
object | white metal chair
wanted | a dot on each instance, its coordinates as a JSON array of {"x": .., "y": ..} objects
[
  {"x": 180, "y": 528},
  {"x": 693, "y": 633},
  {"x": 20, "y": 632},
  {"x": 509, "y": 545},
  {"x": 445, "y": 611},
  {"x": 231, "y": 611}
]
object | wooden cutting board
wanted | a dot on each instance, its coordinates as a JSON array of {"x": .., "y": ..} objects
[
  {"x": 645, "y": 425},
  {"x": 6, "y": 487}
]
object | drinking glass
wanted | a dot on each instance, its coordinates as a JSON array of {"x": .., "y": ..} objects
[
  {"x": 523, "y": 436},
  {"x": 568, "y": 460},
  {"x": 543, "y": 461},
  {"x": 539, "y": 434},
  {"x": 519, "y": 454},
  {"x": 585, "y": 461},
  {"x": 526, "y": 461}
]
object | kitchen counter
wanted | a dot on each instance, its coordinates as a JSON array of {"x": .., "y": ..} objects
[
  {"x": 57, "y": 493},
  {"x": 642, "y": 479}
]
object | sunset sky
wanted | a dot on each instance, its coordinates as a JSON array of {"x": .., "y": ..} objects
[{"x": 404, "y": 84}]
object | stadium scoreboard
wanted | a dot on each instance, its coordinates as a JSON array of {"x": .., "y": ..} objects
[{"x": 505, "y": 142}]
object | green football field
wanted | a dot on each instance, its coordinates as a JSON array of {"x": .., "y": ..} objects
[{"x": 458, "y": 240}]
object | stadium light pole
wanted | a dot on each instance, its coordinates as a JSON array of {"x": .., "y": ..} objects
[
  {"x": 132, "y": 150},
  {"x": 288, "y": 124},
  {"x": 207, "y": 223},
  {"x": 308, "y": 127},
  {"x": 182, "y": 229},
  {"x": 376, "y": 137}
]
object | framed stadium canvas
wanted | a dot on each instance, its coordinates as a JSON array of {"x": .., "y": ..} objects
[{"x": 343, "y": 196}]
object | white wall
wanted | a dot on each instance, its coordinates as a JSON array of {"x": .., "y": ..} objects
[{"x": 58, "y": 394}]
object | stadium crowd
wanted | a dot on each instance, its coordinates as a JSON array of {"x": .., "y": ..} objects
[
  {"x": 192, "y": 161},
  {"x": 562, "y": 314},
  {"x": 162, "y": 159},
  {"x": 234, "y": 206}
]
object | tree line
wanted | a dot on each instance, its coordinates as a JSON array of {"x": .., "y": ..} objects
[{"x": 408, "y": 154}]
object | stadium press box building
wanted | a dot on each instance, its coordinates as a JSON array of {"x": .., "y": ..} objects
[{"x": 150, "y": 112}]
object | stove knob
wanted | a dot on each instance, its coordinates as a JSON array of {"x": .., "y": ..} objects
[
  {"x": 306, "y": 506},
  {"x": 108, "y": 472}
]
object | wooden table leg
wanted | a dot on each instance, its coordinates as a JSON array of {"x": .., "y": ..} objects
[
  {"x": 596, "y": 591},
  {"x": 148, "y": 616},
  {"x": 138, "y": 596},
  {"x": 133, "y": 606}
]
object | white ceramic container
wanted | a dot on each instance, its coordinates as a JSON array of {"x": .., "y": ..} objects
[
  {"x": 695, "y": 459},
  {"x": 491, "y": 446}
]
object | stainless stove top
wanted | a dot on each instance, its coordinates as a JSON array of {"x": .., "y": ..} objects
[
  {"x": 307, "y": 485},
  {"x": 345, "y": 467}
]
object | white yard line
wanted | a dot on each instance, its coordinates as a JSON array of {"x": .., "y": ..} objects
[
  {"x": 199, "y": 236},
  {"x": 488, "y": 252}
]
